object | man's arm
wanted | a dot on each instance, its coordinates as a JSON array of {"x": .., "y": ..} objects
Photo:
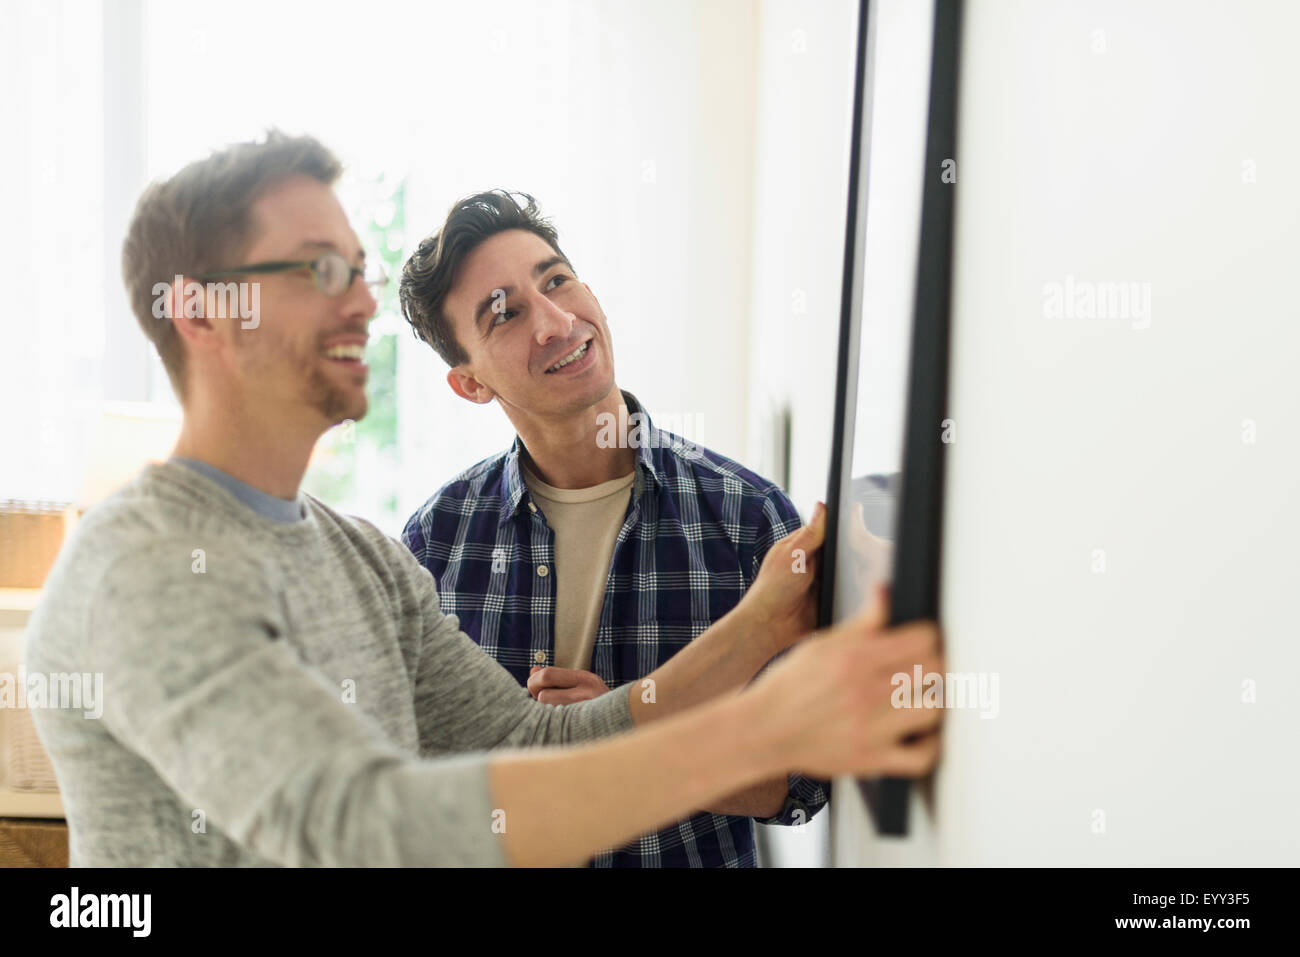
[
  {"x": 200, "y": 683},
  {"x": 723, "y": 659},
  {"x": 824, "y": 711},
  {"x": 778, "y": 519},
  {"x": 465, "y": 700},
  {"x": 779, "y": 608},
  {"x": 797, "y": 797}
]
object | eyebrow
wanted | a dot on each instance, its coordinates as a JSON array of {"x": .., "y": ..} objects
[{"x": 538, "y": 270}]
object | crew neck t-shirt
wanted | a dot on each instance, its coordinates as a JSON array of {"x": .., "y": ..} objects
[{"x": 586, "y": 522}]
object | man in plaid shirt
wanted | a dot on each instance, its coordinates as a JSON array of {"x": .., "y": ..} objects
[{"x": 597, "y": 546}]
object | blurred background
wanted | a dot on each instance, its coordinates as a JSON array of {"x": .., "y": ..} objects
[{"x": 678, "y": 146}]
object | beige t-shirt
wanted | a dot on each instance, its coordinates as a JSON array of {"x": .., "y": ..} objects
[{"x": 586, "y": 523}]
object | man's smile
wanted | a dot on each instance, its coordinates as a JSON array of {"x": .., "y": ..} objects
[
  {"x": 580, "y": 358},
  {"x": 348, "y": 352}
]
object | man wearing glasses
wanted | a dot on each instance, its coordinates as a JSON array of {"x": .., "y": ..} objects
[
  {"x": 279, "y": 683},
  {"x": 597, "y": 546}
]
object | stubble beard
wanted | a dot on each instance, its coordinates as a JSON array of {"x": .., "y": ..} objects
[
  {"x": 326, "y": 396},
  {"x": 331, "y": 401}
]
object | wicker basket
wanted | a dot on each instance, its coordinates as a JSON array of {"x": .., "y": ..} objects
[
  {"x": 31, "y": 534},
  {"x": 27, "y": 766}
]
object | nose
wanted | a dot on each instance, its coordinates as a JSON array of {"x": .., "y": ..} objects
[
  {"x": 360, "y": 301},
  {"x": 549, "y": 320}
]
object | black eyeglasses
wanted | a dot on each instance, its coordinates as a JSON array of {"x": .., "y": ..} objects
[{"x": 331, "y": 272}]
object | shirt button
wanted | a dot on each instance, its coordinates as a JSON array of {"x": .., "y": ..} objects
[
  {"x": 539, "y": 656},
  {"x": 543, "y": 570},
  {"x": 532, "y": 507}
]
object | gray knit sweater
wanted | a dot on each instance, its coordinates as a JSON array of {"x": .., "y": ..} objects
[{"x": 272, "y": 693}]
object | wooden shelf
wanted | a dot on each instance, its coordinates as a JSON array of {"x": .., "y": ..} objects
[{"x": 30, "y": 804}]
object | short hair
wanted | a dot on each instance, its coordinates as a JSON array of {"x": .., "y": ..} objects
[
  {"x": 200, "y": 220},
  {"x": 430, "y": 273}
]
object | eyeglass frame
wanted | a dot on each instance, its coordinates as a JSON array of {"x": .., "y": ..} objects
[{"x": 279, "y": 266}]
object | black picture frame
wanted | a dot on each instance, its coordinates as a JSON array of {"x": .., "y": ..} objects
[{"x": 915, "y": 588}]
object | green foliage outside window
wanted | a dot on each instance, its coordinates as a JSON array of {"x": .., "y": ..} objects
[{"x": 354, "y": 468}]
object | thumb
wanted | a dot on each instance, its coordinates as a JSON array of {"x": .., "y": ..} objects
[
  {"x": 814, "y": 532},
  {"x": 876, "y": 617}
]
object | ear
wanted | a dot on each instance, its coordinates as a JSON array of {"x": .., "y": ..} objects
[
  {"x": 468, "y": 387},
  {"x": 187, "y": 311}
]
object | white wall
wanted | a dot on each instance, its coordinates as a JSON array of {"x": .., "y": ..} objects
[
  {"x": 805, "y": 101},
  {"x": 1120, "y": 546}
]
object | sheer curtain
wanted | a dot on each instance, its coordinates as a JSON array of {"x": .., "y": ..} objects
[{"x": 52, "y": 246}]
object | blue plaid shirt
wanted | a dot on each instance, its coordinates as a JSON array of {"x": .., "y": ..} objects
[{"x": 696, "y": 530}]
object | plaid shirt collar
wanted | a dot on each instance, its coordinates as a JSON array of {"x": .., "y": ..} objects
[{"x": 513, "y": 499}]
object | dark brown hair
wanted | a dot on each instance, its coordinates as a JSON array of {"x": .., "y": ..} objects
[
  {"x": 200, "y": 220},
  {"x": 430, "y": 273}
]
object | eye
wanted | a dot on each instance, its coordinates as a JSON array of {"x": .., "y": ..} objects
[
  {"x": 558, "y": 278},
  {"x": 507, "y": 314},
  {"x": 333, "y": 272}
]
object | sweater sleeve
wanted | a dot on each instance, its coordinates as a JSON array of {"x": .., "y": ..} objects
[
  {"x": 200, "y": 683},
  {"x": 466, "y": 700}
]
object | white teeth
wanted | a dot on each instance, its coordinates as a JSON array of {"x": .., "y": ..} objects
[
  {"x": 346, "y": 352},
  {"x": 577, "y": 353}
]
